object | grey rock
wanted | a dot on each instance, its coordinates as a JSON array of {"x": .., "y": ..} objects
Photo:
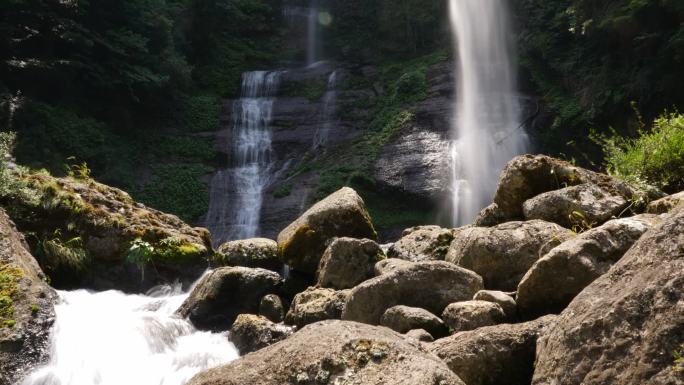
[
  {"x": 665, "y": 205},
  {"x": 225, "y": 293},
  {"x": 493, "y": 355},
  {"x": 490, "y": 216},
  {"x": 624, "y": 327},
  {"x": 420, "y": 335},
  {"x": 555, "y": 279},
  {"x": 271, "y": 307},
  {"x": 403, "y": 319},
  {"x": 335, "y": 352},
  {"x": 316, "y": 304},
  {"x": 576, "y": 206},
  {"x": 430, "y": 285},
  {"x": 470, "y": 315},
  {"x": 250, "y": 333},
  {"x": 256, "y": 252},
  {"x": 342, "y": 214},
  {"x": 503, "y": 254},
  {"x": 348, "y": 262},
  {"x": 423, "y": 243},
  {"x": 504, "y": 300},
  {"x": 390, "y": 264}
]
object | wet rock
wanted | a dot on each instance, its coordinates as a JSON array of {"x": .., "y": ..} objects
[
  {"x": 503, "y": 254},
  {"x": 624, "y": 327},
  {"x": 555, "y": 279},
  {"x": 493, "y": 355},
  {"x": 430, "y": 285},
  {"x": 316, "y": 304},
  {"x": 504, "y": 300},
  {"x": 403, "y": 319},
  {"x": 348, "y": 262},
  {"x": 257, "y": 252},
  {"x": 342, "y": 214},
  {"x": 335, "y": 352},
  {"x": 423, "y": 243},
  {"x": 576, "y": 206},
  {"x": 225, "y": 293},
  {"x": 250, "y": 333},
  {"x": 26, "y": 306},
  {"x": 470, "y": 315},
  {"x": 271, "y": 307},
  {"x": 390, "y": 264},
  {"x": 665, "y": 205}
]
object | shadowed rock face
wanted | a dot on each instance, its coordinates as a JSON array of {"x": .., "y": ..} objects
[
  {"x": 26, "y": 306},
  {"x": 624, "y": 327},
  {"x": 335, "y": 352}
]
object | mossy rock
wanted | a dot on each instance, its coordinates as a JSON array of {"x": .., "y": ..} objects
[{"x": 257, "y": 252}]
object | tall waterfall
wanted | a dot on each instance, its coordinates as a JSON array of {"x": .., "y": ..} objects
[
  {"x": 487, "y": 113},
  {"x": 236, "y": 197},
  {"x": 329, "y": 113},
  {"x": 111, "y": 338},
  {"x": 312, "y": 33}
]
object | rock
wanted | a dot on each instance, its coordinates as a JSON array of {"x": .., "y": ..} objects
[
  {"x": 390, "y": 264},
  {"x": 665, "y": 205},
  {"x": 624, "y": 327},
  {"x": 271, "y": 307},
  {"x": 527, "y": 176},
  {"x": 348, "y": 262},
  {"x": 504, "y": 300},
  {"x": 89, "y": 235},
  {"x": 315, "y": 305},
  {"x": 555, "y": 279},
  {"x": 26, "y": 306},
  {"x": 423, "y": 243},
  {"x": 493, "y": 355},
  {"x": 342, "y": 214},
  {"x": 420, "y": 335},
  {"x": 335, "y": 352},
  {"x": 250, "y": 333},
  {"x": 257, "y": 252},
  {"x": 430, "y": 285},
  {"x": 503, "y": 254},
  {"x": 490, "y": 216},
  {"x": 470, "y": 315},
  {"x": 225, "y": 293},
  {"x": 402, "y": 319},
  {"x": 578, "y": 206}
]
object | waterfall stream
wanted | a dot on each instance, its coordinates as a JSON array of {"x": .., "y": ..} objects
[
  {"x": 329, "y": 112},
  {"x": 487, "y": 128},
  {"x": 110, "y": 338}
]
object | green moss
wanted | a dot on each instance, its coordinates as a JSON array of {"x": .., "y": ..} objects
[
  {"x": 9, "y": 284},
  {"x": 9, "y": 323},
  {"x": 282, "y": 191}
]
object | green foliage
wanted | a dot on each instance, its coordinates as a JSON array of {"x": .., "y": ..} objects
[
  {"x": 679, "y": 359},
  {"x": 9, "y": 277},
  {"x": 185, "y": 147},
  {"x": 59, "y": 255},
  {"x": 282, "y": 191},
  {"x": 198, "y": 113},
  {"x": 76, "y": 170},
  {"x": 656, "y": 157},
  {"x": 140, "y": 253}
]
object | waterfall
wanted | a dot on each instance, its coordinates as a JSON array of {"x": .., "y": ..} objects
[
  {"x": 312, "y": 33},
  {"x": 487, "y": 128},
  {"x": 329, "y": 113},
  {"x": 111, "y": 338},
  {"x": 236, "y": 194}
]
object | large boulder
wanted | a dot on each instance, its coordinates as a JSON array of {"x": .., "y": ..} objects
[
  {"x": 256, "y": 252},
  {"x": 493, "y": 355},
  {"x": 470, "y": 315},
  {"x": 250, "y": 333},
  {"x": 403, "y": 319},
  {"x": 335, "y": 352},
  {"x": 430, "y": 285},
  {"x": 624, "y": 327},
  {"x": 423, "y": 243},
  {"x": 507, "y": 303},
  {"x": 225, "y": 293},
  {"x": 555, "y": 279},
  {"x": 342, "y": 214},
  {"x": 87, "y": 234},
  {"x": 271, "y": 307},
  {"x": 578, "y": 206},
  {"x": 527, "y": 176},
  {"x": 390, "y": 264},
  {"x": 503, "y": 254},
  {"x": 348, "y": 262},
  {"x": 665, "y": 205},
  {"x": 316, "y": 304},
  {"x": 26, "y": 306}
]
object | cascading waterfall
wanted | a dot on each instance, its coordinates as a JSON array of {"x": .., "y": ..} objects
[
  {"x": 312, "y": 33},
  {"x": 111, "y": 338},
  {"x": 329, "y": 113},
  {"x": 236, "y": 197},
  {"x": 487, "y": 112}
]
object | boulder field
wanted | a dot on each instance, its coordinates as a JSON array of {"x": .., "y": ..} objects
[{"x": 569, "y": 277}]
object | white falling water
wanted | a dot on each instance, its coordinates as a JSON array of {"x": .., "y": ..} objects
[
  {"x": 236, "y": 198},
  {"x": 329, "y": 113},
  {"x": 111, "y": 338},
  {"x": 487, "y": 113},
  {"x": 312, "y": 33}
]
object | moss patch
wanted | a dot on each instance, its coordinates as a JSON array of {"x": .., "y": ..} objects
[{"x": 9, "y": 284}]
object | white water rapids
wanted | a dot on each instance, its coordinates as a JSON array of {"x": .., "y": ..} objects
[
  {"x": 487, "y": 113},
  {"x": 110, "y": 338}
]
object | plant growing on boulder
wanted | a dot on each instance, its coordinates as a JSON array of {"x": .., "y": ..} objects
[{"x": 140, "y": 254}]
